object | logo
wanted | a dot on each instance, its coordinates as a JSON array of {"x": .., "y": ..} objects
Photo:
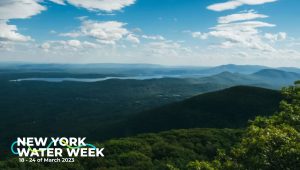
[{"x": 63, "y": 149}]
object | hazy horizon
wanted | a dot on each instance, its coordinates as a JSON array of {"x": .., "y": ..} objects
[{"x": 150, "y": 64}]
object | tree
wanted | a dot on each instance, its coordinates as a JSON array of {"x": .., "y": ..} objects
[
  {"x": 269, "y": 142},
  {"x": 196, "y": 165}
]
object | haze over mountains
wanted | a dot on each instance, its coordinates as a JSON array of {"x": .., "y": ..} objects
[
  {"x": 226, "y": 75},
  {"x": 140, "y": 69},
  {"x": 269, "y": 78}
]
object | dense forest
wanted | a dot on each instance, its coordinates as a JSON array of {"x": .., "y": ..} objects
[
  {"x": 86, "y": 109},
  {"x": 267, "y": 143},
  {"x": 151, "y": 151},
  {"x": 79, "y": 109},
  {"x": 219, "y": 109},
  {"x": 168, "y": 123}
]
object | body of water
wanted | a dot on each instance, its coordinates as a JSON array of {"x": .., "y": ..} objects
[{"x": 90, "y": 80}]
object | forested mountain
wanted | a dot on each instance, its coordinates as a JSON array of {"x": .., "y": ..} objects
[
  {"x": 148, "y": 151},
  {"x": 229, "y": 108},
  {"x": 267, "y": 143}
]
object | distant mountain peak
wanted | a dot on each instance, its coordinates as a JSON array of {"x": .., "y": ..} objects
[{"x": 275, "y": 72}]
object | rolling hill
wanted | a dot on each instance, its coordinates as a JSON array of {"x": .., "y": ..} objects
[
  {"x": 277, "y": 77},
  {"x": 242, "y": 69},
  {"x": 229, "y": 108},
  {"x": 266, "y": 78}
]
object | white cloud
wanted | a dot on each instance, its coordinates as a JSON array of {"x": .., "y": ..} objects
[
  {"x": 165, "y": 48},
  {"x": 199, "y": 35},
  {"x": 242, "y": 54},
  {"x": 232, "y": 4},
  {"x": 239, "y": 34},
  {"x": 108, "y": 32},
  {"x": 132, "y": 38},
  {"x": 60, "y": 2},
  {"x": 7, "y": 46},
  {"x": 226, "y": 44},
  {"x": 82, "y": 18},
  {"x": 242, "y": 33},
  {"x": 70, "y": 34},
  {"x": 103, "y": 5},
  {"x": 89, "y": 44},
  {"x": 255, "y": 2},
  {"x": 237, "y": 30},
  {"x": 241, "y": 29},
  {"x": 74, "y": 43},
  {"x": 154, "y": 37},
  {"x": 225, "y": 6},
  {"x": 294, "y": 43},
  {"x": 106, "y": 14},
  {"x": 248, "y": 15},
  {"x": 9, "y": 33},
  {"x": 16, "y": 9},
  {"x": 45, "y": 45},
  {"x": 105, "y": 32},
  {"x": 71, "y": 45},
  {"x": 276, "y": 37},
  {"x": 19, "y": 9},
  {"x": 22, "y": 9},
  {"x": 165, "y": 45}
]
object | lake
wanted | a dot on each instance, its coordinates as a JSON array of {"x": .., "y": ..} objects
[{"x": 91, "y": 80}]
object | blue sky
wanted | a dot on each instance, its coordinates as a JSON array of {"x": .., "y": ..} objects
[{"x": 167, "y": 32}]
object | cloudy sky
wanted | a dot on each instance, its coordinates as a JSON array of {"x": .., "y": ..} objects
[{"x": 167, "y": 32}]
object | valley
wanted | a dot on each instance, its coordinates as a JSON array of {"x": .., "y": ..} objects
[{"x": 108, "y": 107}]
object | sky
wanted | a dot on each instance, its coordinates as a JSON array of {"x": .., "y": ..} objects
[{"x": 166, "y": 32}]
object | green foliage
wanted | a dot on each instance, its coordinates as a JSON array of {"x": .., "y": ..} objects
[
  {"x": 171, "y": 167},
  {"x": 269, "y": 143},
  {"x": 229, "y": 108},
  {"x": 81, "y": 109},
  {"x": 102, "y": 110},
  {"x": 166, "y": 150},
  {"x": 196, "y": 165}
]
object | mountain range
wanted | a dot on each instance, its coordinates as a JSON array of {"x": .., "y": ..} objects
[
  {"x": 139, "y": 69},
  {"x": 267, "y": 78}
]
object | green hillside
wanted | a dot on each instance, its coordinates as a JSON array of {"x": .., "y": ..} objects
[
  {"x": 267, "y": 143},
  {"x": 149, "y": 151},
  {"x": 277, "y": 78},
  {"x": 35, "y": 108},
  {"x": 229, "y": 108}
]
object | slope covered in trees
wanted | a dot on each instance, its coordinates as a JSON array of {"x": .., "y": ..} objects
[
  {"x": 229, "y": 108},
  {"x": 268, "y": 143},
  {"x": 149, "y": 151}
]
